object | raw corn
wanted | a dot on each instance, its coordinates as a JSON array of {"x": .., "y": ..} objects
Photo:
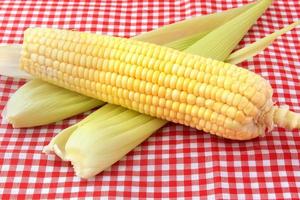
[{"x": 199, "y": 92}]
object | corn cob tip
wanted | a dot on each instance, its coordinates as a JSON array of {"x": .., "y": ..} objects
[{"x": 285, "y": 118}]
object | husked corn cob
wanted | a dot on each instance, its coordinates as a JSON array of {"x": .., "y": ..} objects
[{"x": 209, "y": 95}]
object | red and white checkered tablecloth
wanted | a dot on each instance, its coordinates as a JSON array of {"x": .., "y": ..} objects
[{"x": 177, "y": 161}]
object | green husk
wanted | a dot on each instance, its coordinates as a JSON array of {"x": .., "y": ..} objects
[
  {"x": 195, "y": 28},
  {"x": 24, "y": 114},
  {"x": 181, "y": 33},
  {"x": 92, "y": 148},
  {"x": 253, "y": 49},
  {"x": 186, "y": 42},
  {"x": 219, "y": 43},
  {"x": 58, "y": 143},
  {"x": 126, "y": 132}
]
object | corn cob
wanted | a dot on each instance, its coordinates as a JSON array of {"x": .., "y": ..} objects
[{"x": 199, "y": 92}]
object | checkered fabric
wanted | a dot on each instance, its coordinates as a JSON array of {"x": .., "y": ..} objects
[{"x": 177, "y": 161}]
